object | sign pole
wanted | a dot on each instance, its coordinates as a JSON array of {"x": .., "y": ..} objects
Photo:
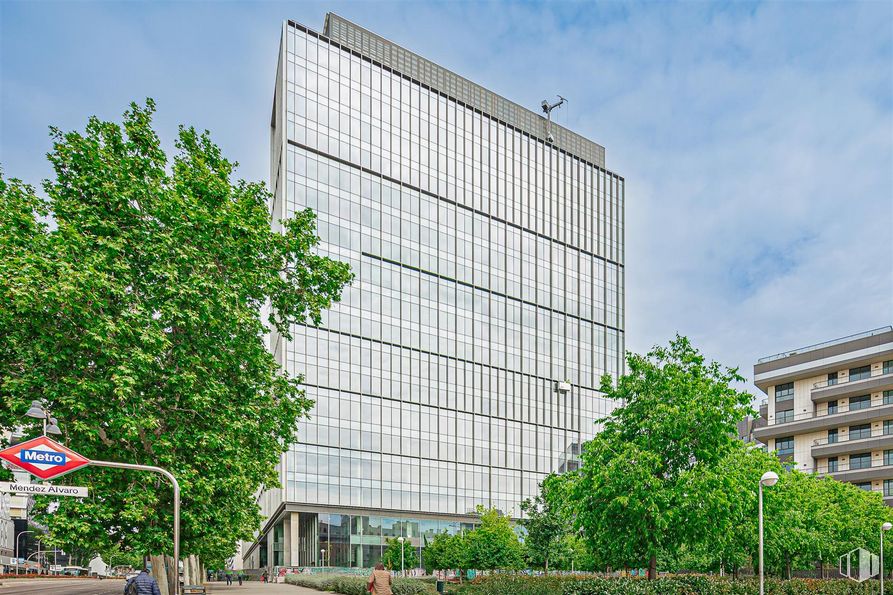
[
  {"x": 47, "y": 459},
  {"x": 176, "y": 485}
]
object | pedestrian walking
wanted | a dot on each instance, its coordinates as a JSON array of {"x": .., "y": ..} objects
[
  {"x": 263, "y": 577},
  {"x": 380, "y": 581},
  {"x": 142, "y": 584},
  {"x": 240, "y": 578},
  {"x": 229, "y": 577}
]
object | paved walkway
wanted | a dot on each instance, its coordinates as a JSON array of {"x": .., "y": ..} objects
[
  {"x": 36, "y": 586},
  {"x": 254, "y": 588}
]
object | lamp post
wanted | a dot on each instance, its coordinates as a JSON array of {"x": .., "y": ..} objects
[
  {"x": 17, "y": 548},
  {"x": 769, "y": 478},
  {"x": 402, "y": 570},
  {"x": 322, "y": 557},
  {"x": 884, "y": 527},
  {"x": 39, "y": 410}
]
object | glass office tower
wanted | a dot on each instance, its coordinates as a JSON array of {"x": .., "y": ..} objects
[{"x": 463, "y": 363}]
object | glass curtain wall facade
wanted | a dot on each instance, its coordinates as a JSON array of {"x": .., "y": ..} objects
[{"x": 489, "y": 267}]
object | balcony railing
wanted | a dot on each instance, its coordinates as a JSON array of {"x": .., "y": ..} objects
[
  {"x": 824, "y": 413},
  {"x": 846, "y": 438},
  {"x": 845, "y": 466},
  {"x": 848, "y": 380},
  {"x": 785, "y": 354}
]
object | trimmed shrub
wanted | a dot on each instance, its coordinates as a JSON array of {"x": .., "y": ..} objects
[
  {"x": 353, "y": 585},
  {"x": 673, "y": 585}
]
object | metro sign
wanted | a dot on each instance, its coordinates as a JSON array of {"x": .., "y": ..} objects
[{"x": 43, "y": 458}]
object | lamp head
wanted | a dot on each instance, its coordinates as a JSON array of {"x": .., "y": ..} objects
[
  {"x": 769, "y": 478},
  {"x": 886, "y": 526},
  {"x": 36, "y": 410},
  {"x": 53, "y": 429}
]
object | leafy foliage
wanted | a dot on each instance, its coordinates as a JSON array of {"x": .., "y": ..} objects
[
  {"x": 138, "y": 318},
  {"x": 446, "y": 552},
  {"x": 677, "y": 422},
  {"x": 727, "y": 496},
  {"x": 493, "y": 544},
  {"x": 674, "y": 585},
  {"x": 391, "y": 555},
  {"x": 548, "y": 526},
  {"x": 811, "y": 519},
  {"x": 667, "y": 482}
]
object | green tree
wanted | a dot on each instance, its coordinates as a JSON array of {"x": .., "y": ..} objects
[
  {"x": 811, "y": 519},
  {"x": 440, "y": 552},
  {"x": 574, "y": 554},
  {"x": 493, "y": 544},
  {"x": 546, "y": 523},
  {"x": 140, "y": 316},
  {"x": 446, "y": 552},
  {"x": 391, "y": 555},
  {"x": 726, "y": 494},
  {"x": 677, "y": 420}
]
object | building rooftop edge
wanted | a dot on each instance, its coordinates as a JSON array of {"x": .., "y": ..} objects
[
  {"x": 347, "y": 33},
  {"x": 824, "y": 344}
]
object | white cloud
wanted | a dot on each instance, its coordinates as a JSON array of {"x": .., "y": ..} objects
[{"x": 756, "y": 139}]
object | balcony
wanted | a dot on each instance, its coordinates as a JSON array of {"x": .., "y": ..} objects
[
  {"x": 876, "y": 470},
  {"x": 845, "y": 445},
  {"x": 825, "y": 345},
  {"x": 830, "y": 390},
  {"x": 815, "y": 421}
]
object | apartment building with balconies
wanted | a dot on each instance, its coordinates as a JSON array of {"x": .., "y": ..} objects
[{"x": 829, "y": 408}]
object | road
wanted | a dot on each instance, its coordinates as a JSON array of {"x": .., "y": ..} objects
[{"x": 61, "y": 587}]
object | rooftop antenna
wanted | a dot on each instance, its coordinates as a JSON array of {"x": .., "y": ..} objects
[{"x": 547, "y": 109}]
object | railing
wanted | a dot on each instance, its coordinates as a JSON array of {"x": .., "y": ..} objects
[
  {"x": 847, "y": 380},
  {"x": 845, "y": 466},
  {"x": 871, "y": 333},
  {"x": 846, "y": 438},
  {"x": 823, "y": 413}
]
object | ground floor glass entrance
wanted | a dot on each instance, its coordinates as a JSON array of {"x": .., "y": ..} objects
[{"x": 344, "y": 540}]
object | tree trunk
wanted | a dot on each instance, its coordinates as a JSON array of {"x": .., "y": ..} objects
[
  {"x": 547, "y": 564},
  {"x": 652, "y": 567},
  {"x": 787, "y": 567},
  {"x": 159, "y": 573}
]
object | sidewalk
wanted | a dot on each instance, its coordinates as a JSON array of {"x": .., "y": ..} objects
[{"x": 255, "y": 588}]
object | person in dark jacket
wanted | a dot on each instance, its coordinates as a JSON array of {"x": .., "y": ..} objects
[{"x": 145, "y": 585}]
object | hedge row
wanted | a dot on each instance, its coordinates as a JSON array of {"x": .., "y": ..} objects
[
  {"x": 352, "y": 585},
  {"x": 682, "y": 585}
]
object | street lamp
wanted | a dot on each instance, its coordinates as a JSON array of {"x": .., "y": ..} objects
[
  {"x": 39, "y": 410},
  {"x": 769, "y": 478},
  {"x": 322, "y": 557},
  {"x": 884, "y": 527},
  {"x": 402, "y": 571},
  {"x": 17, "y": 548}
]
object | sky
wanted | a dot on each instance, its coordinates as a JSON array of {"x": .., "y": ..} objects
[{"x": 756, "y": 139}]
